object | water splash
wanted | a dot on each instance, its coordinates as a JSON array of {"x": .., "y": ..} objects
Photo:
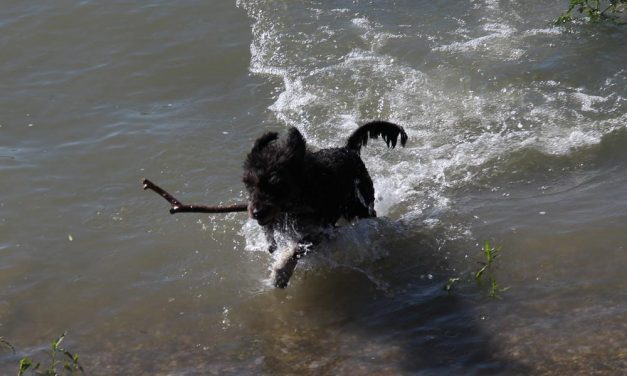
[{"x": 472, "y": 101}]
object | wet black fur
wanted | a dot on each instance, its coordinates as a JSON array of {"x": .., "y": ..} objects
[{"x": 290, "y": 186}]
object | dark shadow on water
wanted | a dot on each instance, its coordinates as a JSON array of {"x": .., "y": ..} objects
[{"x": 384, "y": 316}]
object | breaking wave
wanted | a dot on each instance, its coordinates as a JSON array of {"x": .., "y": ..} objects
[{"x": 470, "y": 99}]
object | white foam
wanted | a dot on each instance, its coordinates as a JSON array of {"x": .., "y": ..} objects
[
  {"x": 361, "y": 22},
  {"x": 588, "y": 101},
  {"x": 452, "y": 130},
  {"x": 497, "y": 34},
  {"x": 352, "y": 246}
]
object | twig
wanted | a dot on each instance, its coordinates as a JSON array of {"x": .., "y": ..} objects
[
  {"x": 7, "y": 344},
  {"x": 179, "y": 207}
]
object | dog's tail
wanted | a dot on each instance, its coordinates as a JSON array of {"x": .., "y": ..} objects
[{"x": 374, "y": 129}]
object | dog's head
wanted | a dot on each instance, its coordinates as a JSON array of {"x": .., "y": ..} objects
[{"x": 272, "y": 175}]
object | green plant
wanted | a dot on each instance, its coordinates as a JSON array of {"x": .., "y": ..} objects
[
  {"x": 596, "y": 10},
  {"x": 449, "y": 285},
  {"x": 6, "y": 344},
  {"x": 495, "y": 289},
  {"x": 70, "y": 367},
  {"x": 490, "y": 253}
]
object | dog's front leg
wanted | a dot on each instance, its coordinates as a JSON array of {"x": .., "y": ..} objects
[
  {"x": 283, "y": 270},
  {"x": 268, "y": 231}
]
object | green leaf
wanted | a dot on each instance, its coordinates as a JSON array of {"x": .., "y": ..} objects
[
  {"x": 25, "y": 364},
  {"x": 7, "y": 344},
  {"x": 486, "y": 246},
  {"x": 449, "y": 285},
  {"x": 480, "y": 272},
  {"x": 57, "y": 343},
  {"x": 494, "y": 288},
  {"x": 564, "y": 18},
  {"x": 69, "y": 355}
]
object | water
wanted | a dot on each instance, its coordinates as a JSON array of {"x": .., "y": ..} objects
[{"x": 517, "y": 136}]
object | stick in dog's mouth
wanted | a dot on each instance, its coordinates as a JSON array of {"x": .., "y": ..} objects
[{"x": 179, "y": 207}]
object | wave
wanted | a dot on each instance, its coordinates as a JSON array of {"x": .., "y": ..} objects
[{"x": 473, "y": 100}]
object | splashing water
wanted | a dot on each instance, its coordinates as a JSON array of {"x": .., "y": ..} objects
[{"x": 343, "y": 66}]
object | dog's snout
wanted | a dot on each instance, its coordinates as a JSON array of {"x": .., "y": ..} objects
[
  {"x": 262, "y": 214},
  {"x": 256, "y": 213}
]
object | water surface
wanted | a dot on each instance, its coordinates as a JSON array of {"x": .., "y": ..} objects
[{"x": 517, "y": 136}]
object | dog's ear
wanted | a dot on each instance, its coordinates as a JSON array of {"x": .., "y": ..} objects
[
  {"x": 252, "y": 159},
  {"x": 295, "y": 143},
  {"x": 263, "y": 141}
]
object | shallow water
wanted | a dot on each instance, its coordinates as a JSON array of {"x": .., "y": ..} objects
[{"x": 517, "y": 136}]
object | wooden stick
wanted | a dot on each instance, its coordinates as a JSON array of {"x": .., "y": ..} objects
[{"x": 179, "y": 207}]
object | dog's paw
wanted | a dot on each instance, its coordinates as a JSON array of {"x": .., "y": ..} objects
[
  {"x": 272, "y": 248},
  {"x": 281, "y": 281},
  {"x": 282, "y": 272}
]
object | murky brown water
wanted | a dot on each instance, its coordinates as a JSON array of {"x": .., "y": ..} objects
[{"x": 517, "y": 136}]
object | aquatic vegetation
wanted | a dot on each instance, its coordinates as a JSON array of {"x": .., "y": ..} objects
[
  {"x": 6, "y": 344},
  {"x": 595, "y": 10},
  {"x": 450, "y": 283},
  {"x": 495, "y": 289},
  {"x": 491, "y": 253},
  {"x": 69, "y": 367}
]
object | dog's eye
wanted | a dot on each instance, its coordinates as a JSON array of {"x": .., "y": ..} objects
[
  {"x": 274, "y": 180},
  {"x": 249, "y": 179}
]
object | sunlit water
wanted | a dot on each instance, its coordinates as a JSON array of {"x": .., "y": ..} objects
[{"x": 517, "y": 136}]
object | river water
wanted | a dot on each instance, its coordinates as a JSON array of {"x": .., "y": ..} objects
[{"x": 516, "y": 136}]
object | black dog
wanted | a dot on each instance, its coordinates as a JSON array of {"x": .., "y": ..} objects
[{"x": 291, "y": 187}]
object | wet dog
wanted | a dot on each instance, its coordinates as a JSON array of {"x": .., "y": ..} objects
[{"x": 295, "y": 190}]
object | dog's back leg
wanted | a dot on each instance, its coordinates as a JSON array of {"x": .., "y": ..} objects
[{"x": 361, "y": 204}]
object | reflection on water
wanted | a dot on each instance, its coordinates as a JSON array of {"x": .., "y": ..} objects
[{"x": 517, "y": 136}]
